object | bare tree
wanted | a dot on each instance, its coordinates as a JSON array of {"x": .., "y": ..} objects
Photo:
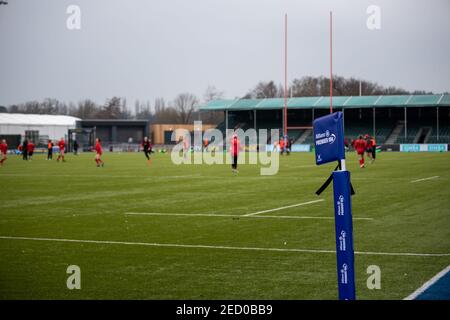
[
  {"x": 159, "y": 104},
  {"x": 212, "y": 93},
  {"x": 264, "y": 90},
  {"x": 163, "y": 114},
  {"x": 166, "y": 115},
  {"x": 13, "y": 108},
  {"x": 212, "y": 117},
  {"x": 143, "y": 111},
  {"x": 137, "y": 107},
  {"x": 305, "y": 87},
  {"x": 320, "y": 86},
  {"x": 86, "y": 109},
  {"x": 184, "y": 105},
  {"x": 111, "y": 109},
  {"x": 125, "y": 113}
]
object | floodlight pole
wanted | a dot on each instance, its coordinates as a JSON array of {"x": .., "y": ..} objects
[
  {"x": 343, "y": 119},
  {"x": 285, "y": 77},
  {"x": 374, "y": 130},
  {"x": 226, "y": 120},
  {"x": 437, "y": 123},
  {"x": 406, "y": 125},
  {"x": 331, "y": 62}
]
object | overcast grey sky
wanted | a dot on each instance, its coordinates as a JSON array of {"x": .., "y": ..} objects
[{"x": 142, "y": 49}]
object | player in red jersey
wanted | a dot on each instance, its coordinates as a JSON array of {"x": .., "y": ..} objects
[
  {"x": 235, "y": 145},
  {"x": 360, "y": 146},
  {"x": 30, "y": 149},
  {"x": 3, "y": 151},
  {"x": 368, "y": 146},
  {"x": 282, "y": 146},
  {"x": 99, "y": 151},
  {"x": 62, "y": 149}
]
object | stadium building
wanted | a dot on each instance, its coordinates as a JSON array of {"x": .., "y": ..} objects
[
  {"x": 162, "y": 133},
  {"x": 14, "y": 127},
  {"x": 37, "y": 127},
  {"x": 393, "y": 120},
  {"x": 116, "y": 134}
]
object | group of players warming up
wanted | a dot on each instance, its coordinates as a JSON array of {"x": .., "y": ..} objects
[
  {"x": 26, "y": 150},
  {"x": 146, "y": 147},
  {"x": 362, "y": 145},
  {"x": 365, "y": 145}
]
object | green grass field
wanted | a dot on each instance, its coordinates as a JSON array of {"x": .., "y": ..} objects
[{"x": 76, "y": 200}]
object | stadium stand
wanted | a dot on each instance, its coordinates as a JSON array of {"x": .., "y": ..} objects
[
  {"x": 392, "y": 119},
  {"x": 444, "y": 135},
  {"x": 412, "y": 132}
]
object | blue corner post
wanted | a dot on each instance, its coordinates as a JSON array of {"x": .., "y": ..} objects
[
  {"x": 344, "y": 235},
  {"x": 329, "y": 147}
]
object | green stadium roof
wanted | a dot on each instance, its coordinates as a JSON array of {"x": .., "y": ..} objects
[{"x": 339, "y": 102}]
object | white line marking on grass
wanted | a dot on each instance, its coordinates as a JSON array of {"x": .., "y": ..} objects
[
  {"x": 230, "y": 215},
  {"x": 424, "y": 179},
  {"x": 427, "y": 284},
  {"x": 200, "y": 246},
  {"x": 303, "y": 166},
  {"x": 282, "y": 208}
]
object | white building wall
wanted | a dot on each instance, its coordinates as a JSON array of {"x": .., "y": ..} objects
[
  {"x": 53, "y": 126},
  {"x": 53, "y": 131}
]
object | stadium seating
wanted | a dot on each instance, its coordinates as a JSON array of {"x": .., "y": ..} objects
[
  {"x": 383, "y": 129},
  {"x": 295, "y": 134},
  {"x": 444, "y": 135},
  {"x": 421, "y": 126},
  {"x": 382, "y": 133},
  {"x": 412, "y": 131}
]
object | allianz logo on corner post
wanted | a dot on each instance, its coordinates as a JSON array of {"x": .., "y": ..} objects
[
  {"x": 340, "y": 206},
  {"x": 326, "y": 137},
  {"x": 323, "y": 138},
  {"x": 344, "y": 276},
  {"x": 342, "y": 241}
]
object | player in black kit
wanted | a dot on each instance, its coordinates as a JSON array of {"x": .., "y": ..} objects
[{"x": 147, "y": 146}]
